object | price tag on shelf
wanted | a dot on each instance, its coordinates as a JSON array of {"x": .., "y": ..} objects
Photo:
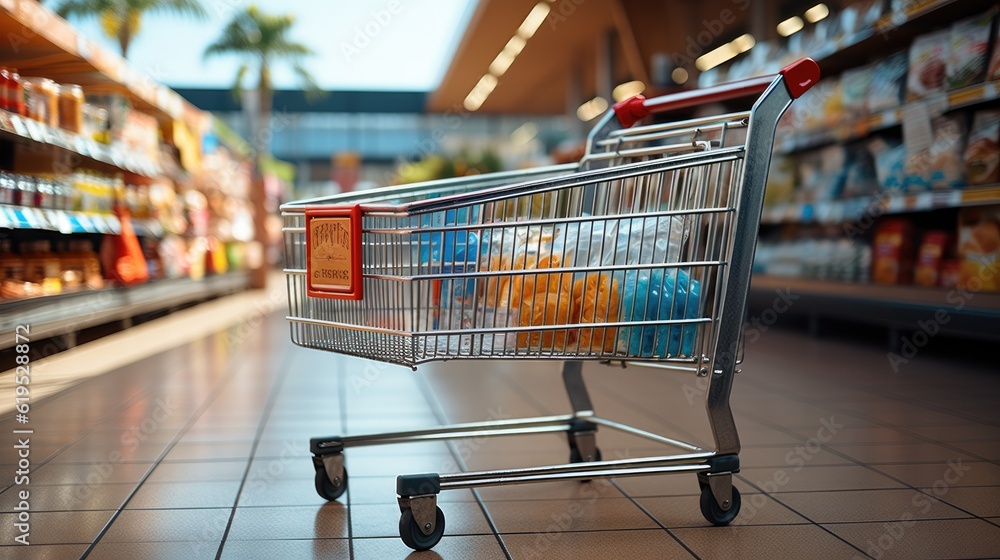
[
  {"x": 895, "y": 204},
  {"x": 923, "y": 201},
  {"x": 114, "y": 226},
  {"x": 6, "y": 221},
  {"x": 955, "y": 198},
  {"x": 86, "y": 226},
  {"x": 18, "y": 125},
  {"x": 917, "y": 133}
]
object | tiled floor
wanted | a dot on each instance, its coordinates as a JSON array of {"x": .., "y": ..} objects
[{"x": 201, "y": 452}]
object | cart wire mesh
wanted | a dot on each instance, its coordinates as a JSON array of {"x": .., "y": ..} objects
[{"x": 620, "y": 258}]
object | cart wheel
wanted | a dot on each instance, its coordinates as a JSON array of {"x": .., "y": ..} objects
[
  {"x": 713, "y": 513},
  {"x": 329, "y": 489},
  {"x": 574, "y": 455},
  {"x": 413, "y": 537}
]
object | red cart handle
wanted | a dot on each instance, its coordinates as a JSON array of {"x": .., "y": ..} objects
[{"x": 798, "y": 76}]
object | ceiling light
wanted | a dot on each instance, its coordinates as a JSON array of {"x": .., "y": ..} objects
[
  {"x": 790, "y": 26},
  {"x": 524, "y": 133},
  {"x": 679, "y": 75},
  {"x": 478, "y": 95},
  {"x": 506, "y": 57},
  {"x": 534, "y": 20},
  {"x": 592, "y": 109},
  {"x": 628, "y": 89},
  {"x": 816, "y": 13},
  {"x": 743, "y": 43}
]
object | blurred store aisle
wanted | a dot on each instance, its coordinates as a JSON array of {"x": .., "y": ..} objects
[{"x": 201, "y": 451}]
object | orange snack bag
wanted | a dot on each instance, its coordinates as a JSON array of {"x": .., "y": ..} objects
[
  {"x": 545, "y": 299},
  {"x": 595, "y": 300}
]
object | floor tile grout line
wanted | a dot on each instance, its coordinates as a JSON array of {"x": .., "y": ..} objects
[
  {"x": 342, "y": 397},
  {"x": 867, "y": 418},
  {"x": 435, "y": 405},
  {"x": 236, "y": 363},
  {"x": 802, "y": 515},
  {"x": 103, "y": 420},
  {"x": 279, "y": 379},
  {"x": 872, "y": 468},
  {"x": 655, "y": 520}
]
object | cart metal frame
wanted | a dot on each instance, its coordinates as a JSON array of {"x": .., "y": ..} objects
[{"x": 614, "y": 148}]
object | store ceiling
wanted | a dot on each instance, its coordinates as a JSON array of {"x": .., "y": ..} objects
[{"x": 565, "y": 48}]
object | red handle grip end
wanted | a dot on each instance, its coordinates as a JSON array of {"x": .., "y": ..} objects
[
  {"x": 631, "y": 110},
  {"x": 800, "y": 76}
]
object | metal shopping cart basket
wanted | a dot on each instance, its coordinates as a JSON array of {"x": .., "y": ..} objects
[{"x": 641, "y": 253}]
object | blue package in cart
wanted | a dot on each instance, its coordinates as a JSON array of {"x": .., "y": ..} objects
[
  {"x": 451, "y": 250},
  {"x": 658, "y": 295}
]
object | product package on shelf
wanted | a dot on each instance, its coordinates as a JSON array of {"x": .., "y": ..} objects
[
  {"x": 887, "y": 88},
  {"x": 940, "y": 166},
  {"x": 979, "y": 249},
  {"x": 969, "y": 51},
  {"x": 928, "y": 64},
  {"x": 934, "y": 249},
  {"x": 892, "y": 252},
  {"x": 982, "y": 155},
  {"x": 855, "y": 85},
  {"x": 890, "y": 163}
]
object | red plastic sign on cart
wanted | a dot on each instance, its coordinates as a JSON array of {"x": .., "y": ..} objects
[{"x": 333, "y": 252}]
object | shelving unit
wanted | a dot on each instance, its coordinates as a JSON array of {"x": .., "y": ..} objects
[
  {"x": 874, "y": 303},
  {"x": 39, "y": 43}
]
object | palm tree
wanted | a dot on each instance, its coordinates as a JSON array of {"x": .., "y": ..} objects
[
  {"x": 122, "y": 19},
  {"x": 261, "y": 39}
]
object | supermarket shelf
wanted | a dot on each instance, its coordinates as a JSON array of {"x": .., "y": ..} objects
[
  {"x": 65, "y": 221},
  {"x": 901, "y": 307},
  {"x": 853, "y": 130},
  {"x": 850, "y": 210},
  {"x": 47, "y": 45},
  {"x": 33, "y": 131},
  {"x": 69, "y": 313},
  {"x": 894, "y": 31}
]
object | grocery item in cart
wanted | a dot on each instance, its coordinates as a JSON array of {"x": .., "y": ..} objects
[
  {"x": 595, "y": 300},
  {"x": 659, "y": 295},
  {"x": 928, "y": 64}
]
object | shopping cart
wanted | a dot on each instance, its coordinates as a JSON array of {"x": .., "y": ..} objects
[{"x": 641, "y": 253}]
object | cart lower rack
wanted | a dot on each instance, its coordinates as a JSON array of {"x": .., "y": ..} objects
[{"x": 641, "y": 253}]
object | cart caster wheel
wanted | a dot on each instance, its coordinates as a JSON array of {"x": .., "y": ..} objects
[
  {"x": 330, "y": 489},
  {"x": 413, "y": 537},
  {"x": 713, "y": 513},
  {"x": 574, "y": 455}
]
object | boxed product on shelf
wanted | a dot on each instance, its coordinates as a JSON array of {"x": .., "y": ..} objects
[
  {"x": 822, "y": 173},
  {"x": 979, "y": 248},
  {"x": 993, "y": 73},
  {"x": 928, "y": 64},
  {"x": 982, "y": 155},
  {"x": 888, "y": 84},
  {"x": 890, "y": 162},
  {"x": 934, "y": 248},
  {"x": 969, "y": 49},
  {"x": 861, "y": 178},
  {"x": 940, "y": 166},
  {"x": 855, "y": 85},
  {"x": 892, "y": 252}
]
